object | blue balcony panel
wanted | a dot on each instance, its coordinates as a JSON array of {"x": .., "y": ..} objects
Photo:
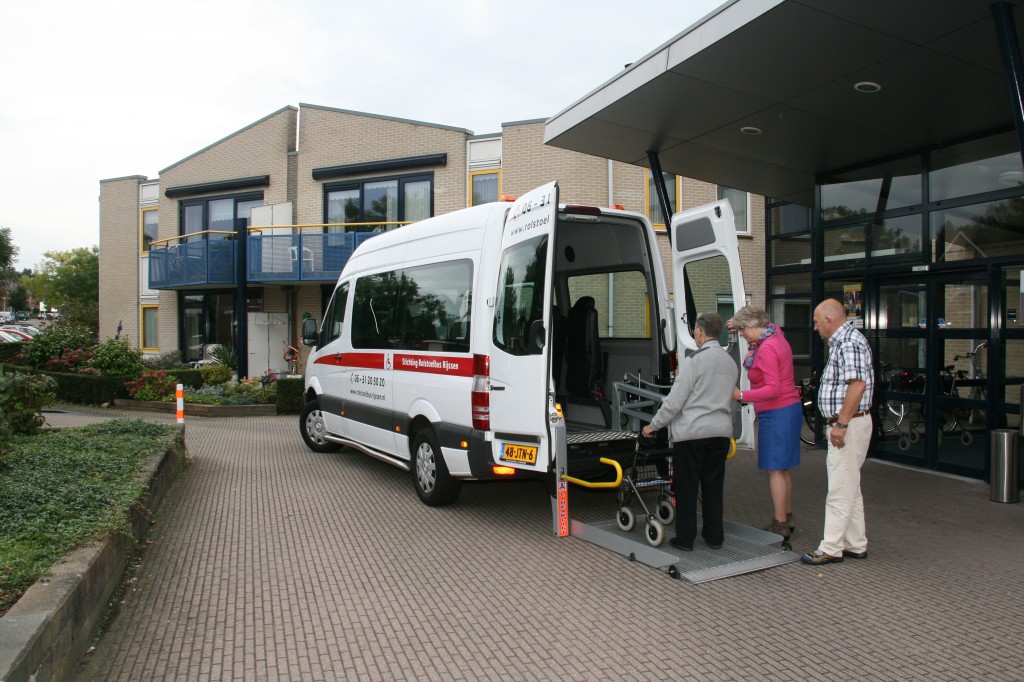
[{"x": 191, "y": 265}]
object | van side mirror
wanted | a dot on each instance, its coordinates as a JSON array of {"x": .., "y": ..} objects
[
  {"x": 536, "y": 337},
  {"x": 309, "y": 332}
]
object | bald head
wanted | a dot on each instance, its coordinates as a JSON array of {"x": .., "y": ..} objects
[{"x": 828, "y": 317}]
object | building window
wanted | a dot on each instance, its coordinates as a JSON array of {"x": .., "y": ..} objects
[
  {"x": 149, "y": 225},
  {"x": 485, "y": 187},
  {"x": 218, "y": 218},
  {"x": 150, "y": 329},
  {"x": 377, "y": 205},
  {"x": 653, "y": 206},
  {"x": 738, "y": 200}
]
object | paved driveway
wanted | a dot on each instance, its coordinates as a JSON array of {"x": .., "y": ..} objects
[{"x": 269, "y": 562}]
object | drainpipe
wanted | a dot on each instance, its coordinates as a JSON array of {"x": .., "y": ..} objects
[
  {"x": 611, "y": 276},
  {"x": 1009, "y": 47},
  {"x": 241, "y": 296}
]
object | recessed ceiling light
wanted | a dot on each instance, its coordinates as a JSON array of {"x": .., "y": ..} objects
[
  {"x": 750, "y": 130},
  {"x": 867, "y": 86}
]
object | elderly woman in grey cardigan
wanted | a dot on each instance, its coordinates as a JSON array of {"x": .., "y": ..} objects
[{"x": 698, "y": 412}]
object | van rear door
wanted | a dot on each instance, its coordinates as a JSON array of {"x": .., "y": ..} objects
[
  {"x": 706, "y": 276},
  {"x": 519, "y": 364}
]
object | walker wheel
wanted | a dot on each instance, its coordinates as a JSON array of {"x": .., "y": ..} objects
[
  {"x": 673, "y": 572},
  {"x": 655, "y": 533},
  {"x": 625, "y": 519},
  {"x": 666, "y": 512}
]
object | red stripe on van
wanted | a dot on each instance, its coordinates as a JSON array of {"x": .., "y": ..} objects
[
  {"x": 365, "y": 360},
  {"x": 434, "y": 364}
]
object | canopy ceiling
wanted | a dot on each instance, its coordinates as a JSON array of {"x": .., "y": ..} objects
[{"x": 788, "y": 68}]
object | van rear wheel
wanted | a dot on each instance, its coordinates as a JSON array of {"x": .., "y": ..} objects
[
  {"x": 314, "y": 429},
  {"x": 430, "y": 476}
]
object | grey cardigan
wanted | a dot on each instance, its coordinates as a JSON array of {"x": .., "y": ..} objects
[{"x": 700, "y": 402}]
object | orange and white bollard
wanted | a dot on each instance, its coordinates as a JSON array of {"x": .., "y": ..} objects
[{"x": 179, "y": 394}]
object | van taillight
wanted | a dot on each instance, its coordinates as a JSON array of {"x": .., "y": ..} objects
[{"x": 480, "y": 399}]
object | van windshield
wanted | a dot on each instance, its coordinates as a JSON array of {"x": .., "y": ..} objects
[{"x": 520, "y": 294}]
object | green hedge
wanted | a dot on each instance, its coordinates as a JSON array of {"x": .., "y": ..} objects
[
  {"x": 289, "y": 395},
  {"x": 80, "y": 388},
  {"x": 188, "y": 377},
  {"x": 10, "y": 349}
]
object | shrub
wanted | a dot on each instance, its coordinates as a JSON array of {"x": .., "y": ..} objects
[
  {"x": 91, "y": 389},
  {"x": 225, "y": 354},
  {"x": 169, "y": 360},
  {"x": 11, "y": 350},
  {"x": 52, "y": 342},
  {"x": 70, "y": 361},
  {"x": 22, "y": 398},
  {"x": 216, "y": 373},
  {"x": 289, "y": 396},
  {"x": 152, "y": 385},
  {"x": 116, "y": 357},
  {"x": 253, "y": 390},
  {"x": 188, "y": 377}
]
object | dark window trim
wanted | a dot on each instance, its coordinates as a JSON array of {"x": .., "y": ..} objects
[
  {"x": 218, "y": 186},
  {"x": 205, "y": 203},
  {"x": 350, "y": 169}
]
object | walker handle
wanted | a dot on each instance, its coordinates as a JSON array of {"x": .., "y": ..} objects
[{"x": 606, "y": 484}]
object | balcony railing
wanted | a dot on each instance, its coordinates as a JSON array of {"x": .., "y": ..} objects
[
  {"x": 195, "y": 259},
  {"x": 306, "y": 253},
  {"x": 290, "y": 253}
]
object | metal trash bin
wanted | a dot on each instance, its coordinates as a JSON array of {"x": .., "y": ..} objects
[{"x": 1005, "y": 466}]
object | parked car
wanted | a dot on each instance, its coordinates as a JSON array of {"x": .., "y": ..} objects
[
  {"x": 23, "y": 328},
  {"x": 7, "y": 337},
  {"x": 18, "y": 335},
  {"x": 6, "y": 316},
  {"x": 21, "y": 315}
]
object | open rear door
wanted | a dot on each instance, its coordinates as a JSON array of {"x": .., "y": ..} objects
[
  {"x": 519, "y": 395},
  {"x": 706, "y": 276}
]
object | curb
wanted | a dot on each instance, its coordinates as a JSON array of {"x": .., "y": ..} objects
[
  {"x": 195, "y": 409},
  {"x": 44, "y": 635}
]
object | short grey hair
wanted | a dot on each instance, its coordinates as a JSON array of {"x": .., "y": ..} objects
[
  {"x": 710, "y": 323},
  {"x": 750, "y": 316}
]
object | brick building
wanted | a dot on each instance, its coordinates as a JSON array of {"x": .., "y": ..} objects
[{"x": 237, "y": 242}]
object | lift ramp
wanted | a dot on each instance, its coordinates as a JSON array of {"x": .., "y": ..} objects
[{"x": 745, "y": 550}]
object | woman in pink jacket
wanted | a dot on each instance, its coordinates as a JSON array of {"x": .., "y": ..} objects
[{"x": 769, "y": 365}]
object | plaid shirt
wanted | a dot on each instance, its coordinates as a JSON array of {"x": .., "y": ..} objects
[{"x": 849, "y": 358}]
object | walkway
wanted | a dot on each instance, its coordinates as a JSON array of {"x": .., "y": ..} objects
[{"x": 269, "y": 562}]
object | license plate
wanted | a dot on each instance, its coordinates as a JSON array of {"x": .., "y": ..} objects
[{"x": 527, "y": 454}]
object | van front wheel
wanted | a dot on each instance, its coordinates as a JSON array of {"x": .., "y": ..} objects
[
  {"x": 314, "y": 429},
  {"x": 430, "y": 476}
]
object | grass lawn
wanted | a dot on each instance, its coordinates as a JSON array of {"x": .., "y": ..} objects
[{"x": 62, "y": 488}]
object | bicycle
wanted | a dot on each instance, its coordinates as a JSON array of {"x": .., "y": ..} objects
[
  {"x": 807, "y": 391},
  {"x": 950, "y": 418}
]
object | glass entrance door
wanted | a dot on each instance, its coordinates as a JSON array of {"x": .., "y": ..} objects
[{"x": 933, "y": 387}]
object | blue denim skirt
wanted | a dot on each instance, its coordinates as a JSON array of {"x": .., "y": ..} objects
[{"x": 778, "y": 437}]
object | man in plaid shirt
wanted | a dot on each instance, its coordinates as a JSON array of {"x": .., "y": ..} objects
[{"x": 845, "y": 391}]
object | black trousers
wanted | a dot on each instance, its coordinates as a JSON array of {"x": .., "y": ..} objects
[{"x": 699, "y": 465}]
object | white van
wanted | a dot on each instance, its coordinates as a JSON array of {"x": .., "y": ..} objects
[{"x": 478, "y": 344}]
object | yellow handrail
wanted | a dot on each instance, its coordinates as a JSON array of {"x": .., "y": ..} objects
[
  {"x": 607, "y": 484},
  {"x": 157, "y": 242}
]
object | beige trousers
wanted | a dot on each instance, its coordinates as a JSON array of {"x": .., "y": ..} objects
[{"x": 844, "y": 505}]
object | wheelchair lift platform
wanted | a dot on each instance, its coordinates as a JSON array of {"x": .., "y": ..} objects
[{"x": 745, "y": 550}]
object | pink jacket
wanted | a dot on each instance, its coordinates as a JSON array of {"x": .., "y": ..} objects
[{"x": 772, "y": 384}]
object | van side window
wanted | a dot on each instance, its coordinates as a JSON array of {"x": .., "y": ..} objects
[
  {"x": 434, "y": 310},
  {"x": 334, "y": 315},
  {"x": 708, "y": 287},
  {"x": 373, "y": 310},
  {"x": 521, "y": 283}
]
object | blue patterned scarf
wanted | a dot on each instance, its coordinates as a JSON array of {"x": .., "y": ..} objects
[{"x": 770, "y": 330}]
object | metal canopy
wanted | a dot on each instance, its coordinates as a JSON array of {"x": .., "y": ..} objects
[{"x": 788, "y": 68}]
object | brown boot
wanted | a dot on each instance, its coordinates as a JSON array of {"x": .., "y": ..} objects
[{"x": 779, "y": 528}]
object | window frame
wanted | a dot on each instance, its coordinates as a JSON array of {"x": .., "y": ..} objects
[
  {"x": 143, "y": 248},
  {"x": 474, "y": 174},
  {"x": 142, "y": 328},
  {"x": 746, "y": 207},
  {"x": 648, "y": 182},
  {"x": 360, "y": 183},
  {"x": 204, "y": 204}
]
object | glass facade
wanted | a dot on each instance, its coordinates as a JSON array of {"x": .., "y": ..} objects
[{"x": 927, "y": 253}]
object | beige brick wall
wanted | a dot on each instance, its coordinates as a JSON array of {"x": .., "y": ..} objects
[
  {"x": 527, "y": 163},
  {"x": 333, "y": 137},
  {"x": 119, "y": 257}
]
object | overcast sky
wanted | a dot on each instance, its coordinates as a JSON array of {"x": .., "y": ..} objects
[{"x": 105, "y": 89}]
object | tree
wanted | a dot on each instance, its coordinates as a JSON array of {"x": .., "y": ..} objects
[
  {"x": 70, "y": 281},
  {"x": 8, "y": 252}
]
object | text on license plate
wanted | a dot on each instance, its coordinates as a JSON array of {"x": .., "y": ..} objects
[{"x": 519, "y": 453}]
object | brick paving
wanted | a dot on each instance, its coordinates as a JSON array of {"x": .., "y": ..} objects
[{"x": 270, "y": 562}]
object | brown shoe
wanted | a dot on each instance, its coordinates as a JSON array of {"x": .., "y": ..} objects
[
  {"x": 850, "y": 554},
  {"x": 779, "y": 528},
  {"x": 820, "y": 558}
]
